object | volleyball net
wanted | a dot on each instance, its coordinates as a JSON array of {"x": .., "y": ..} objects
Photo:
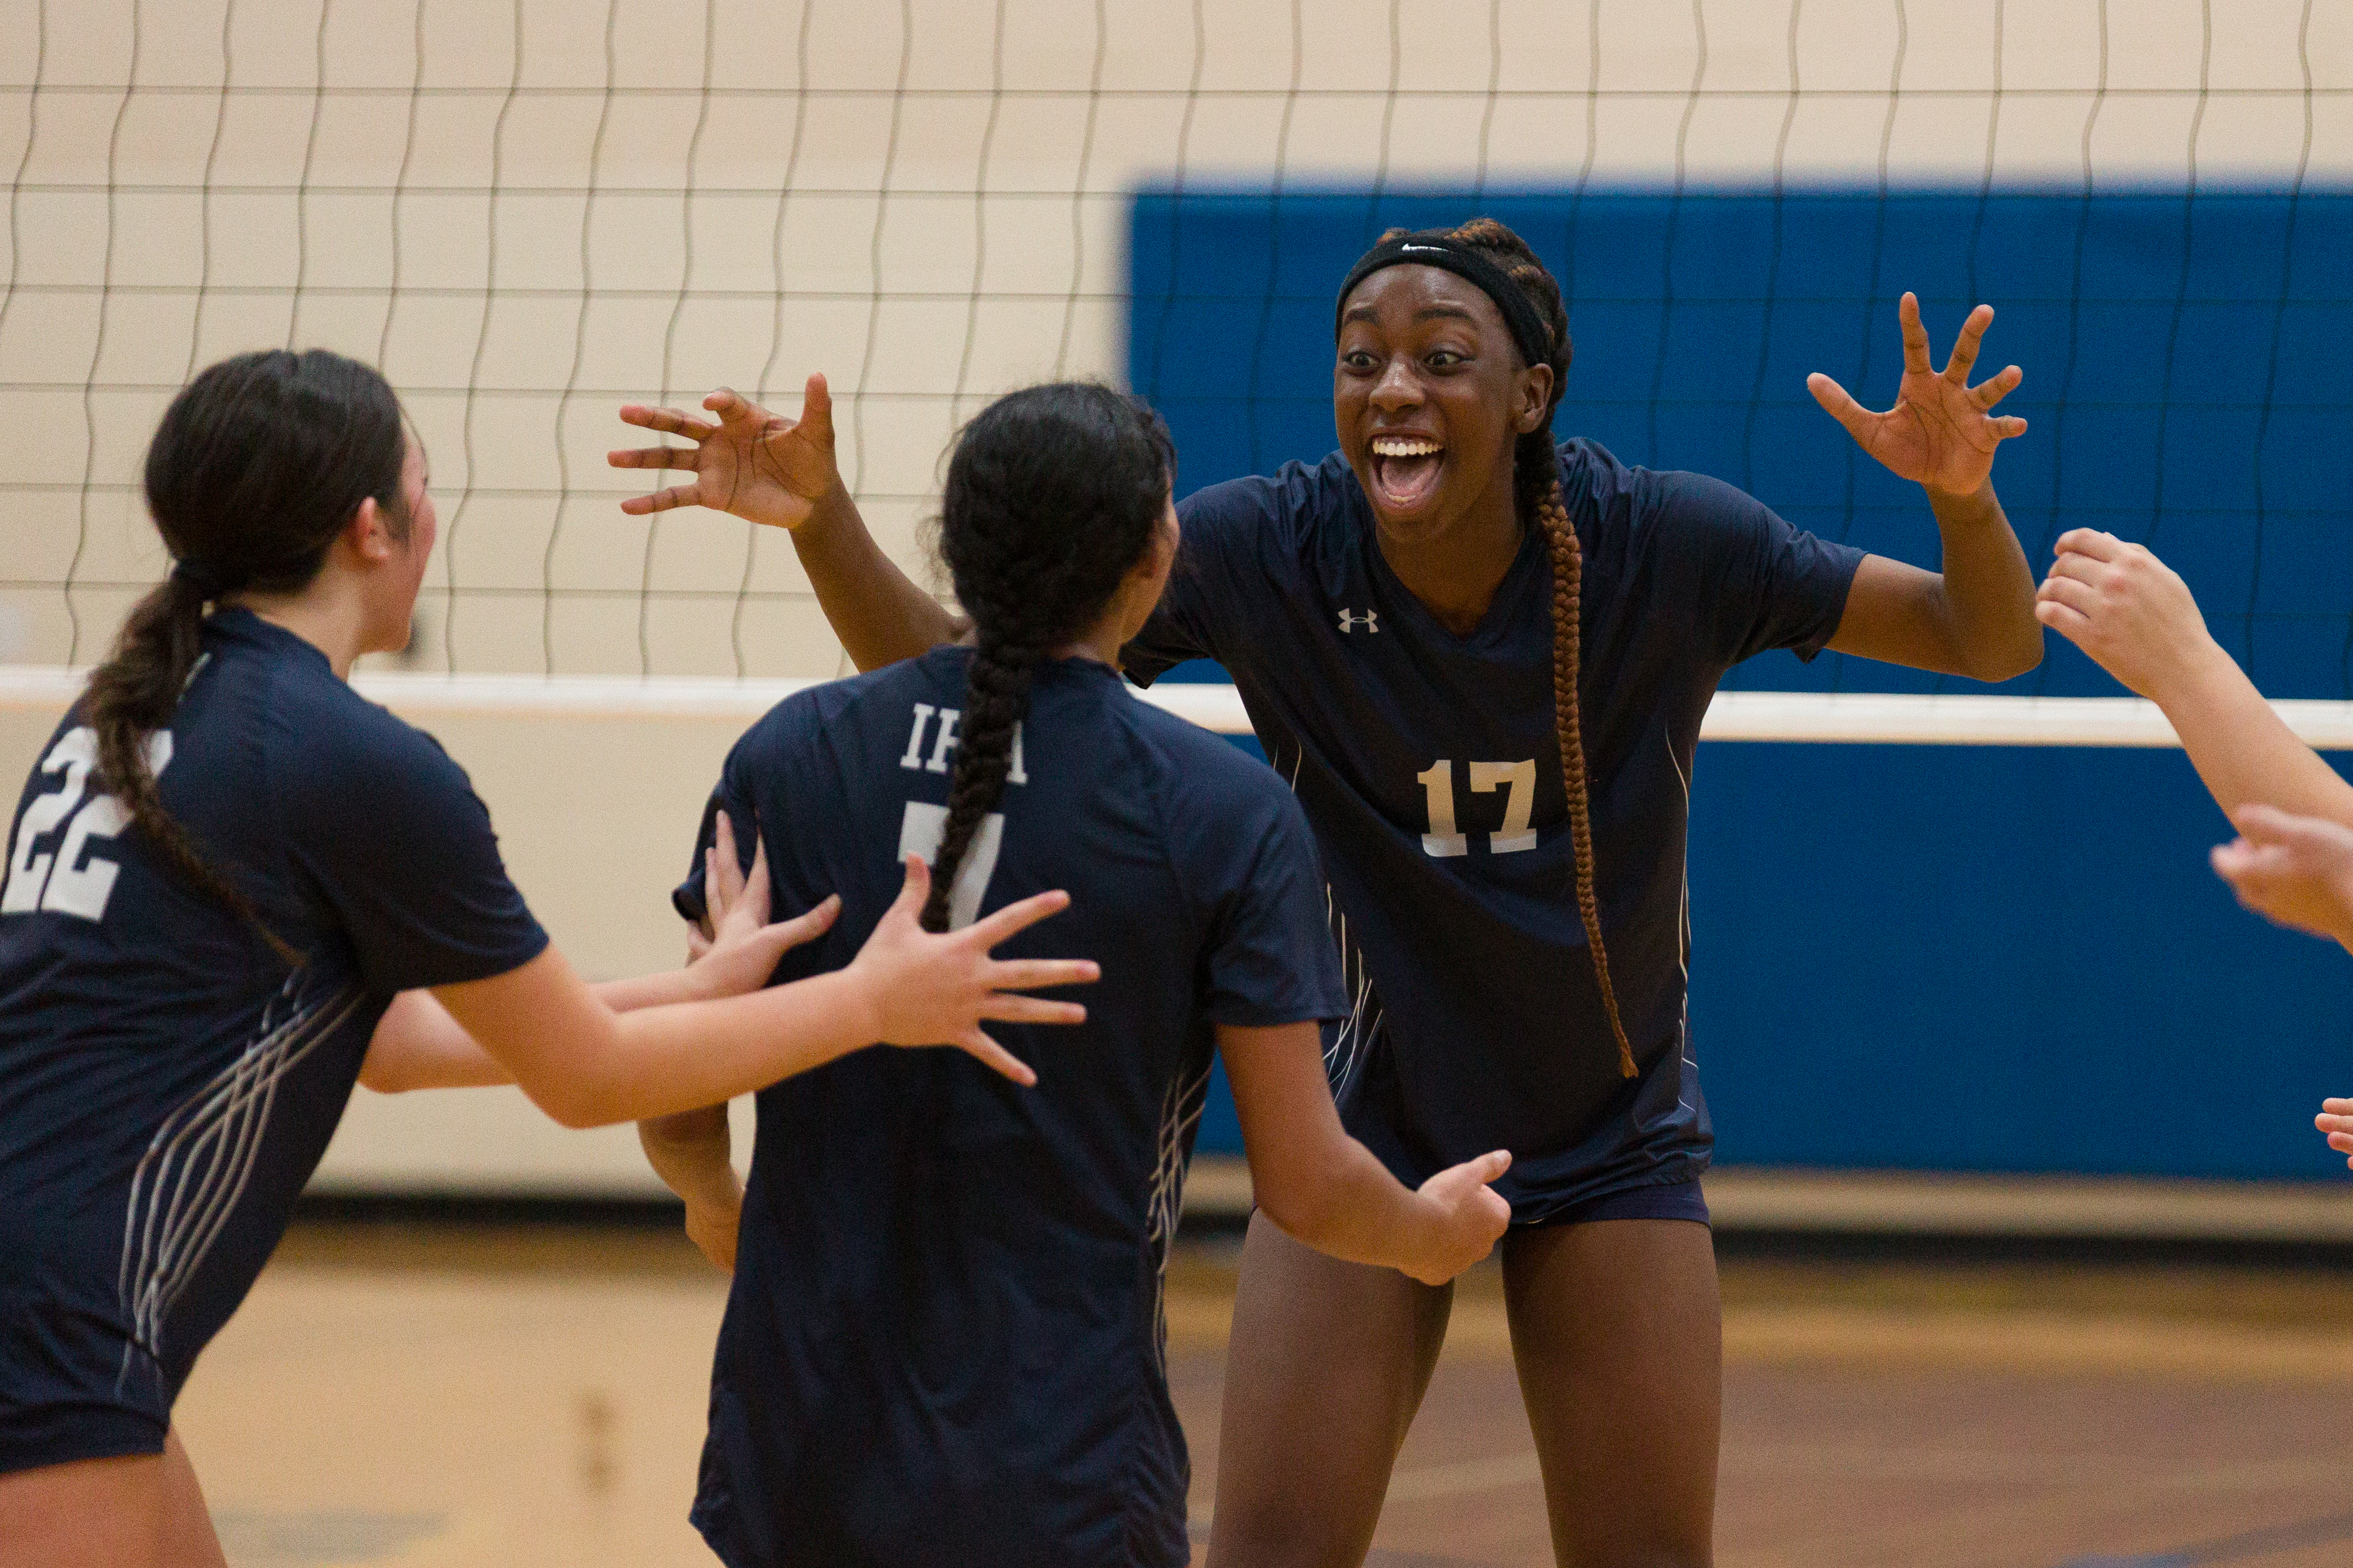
[{"x": 530, "y": 213}]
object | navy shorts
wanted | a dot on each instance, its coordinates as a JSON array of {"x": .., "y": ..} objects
[
  {"x": 1671, "y": 1200},
  {"x": 62, "y": 1391}
]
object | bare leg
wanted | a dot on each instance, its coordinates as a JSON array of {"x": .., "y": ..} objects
[
  {"x": 85, "y": 1513},
  {"x": 188, "y": 1538},
  {"x": 1328, "y": 1363},
  {"x": 1619, "y": 1335}
]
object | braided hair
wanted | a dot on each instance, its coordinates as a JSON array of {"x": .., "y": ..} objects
[
  {"x": 1536, "y": 493},
  {"x": 1054, "y": 494},
  {"x": 257, "y": 465}
]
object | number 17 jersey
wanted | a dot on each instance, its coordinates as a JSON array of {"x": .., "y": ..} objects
[{"x": 1428, "y": 766}]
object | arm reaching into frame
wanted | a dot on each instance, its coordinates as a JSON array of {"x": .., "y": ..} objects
[
  {"x": 2336, "y": 1120},
  {"x": 781, "y": 473},
  {"x": 1326, "y": 1190},
  {"x": 2136, "y": 618},
  {"x": 1975, "y": 617}
]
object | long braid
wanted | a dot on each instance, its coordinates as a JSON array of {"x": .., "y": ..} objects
[
  {"x": 1052, "y": 495},
  {"x": 995, "y": 699},
  {"x": 1535, "y": 486}
]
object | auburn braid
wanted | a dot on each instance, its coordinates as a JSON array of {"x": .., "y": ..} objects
[
  {"x": 1536, "y": 490},
  {"x": 1053, "y": 496}
]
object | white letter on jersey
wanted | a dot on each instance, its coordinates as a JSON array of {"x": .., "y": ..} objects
[
  {"x": 919, "y": 834},
  {"x": 1517, "y": 804},
  {"x": 946, "y": 742},
  {"x": 1437, "y": 782},
  {"x": 63, "y": 883},
  {"x": 915, "y": 757},
  {"x": 1017, "y": 773}
]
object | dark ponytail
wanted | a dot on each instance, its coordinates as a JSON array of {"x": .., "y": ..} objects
[
  {"x": 257, "y": 465},
  {"x": 1536, "y": 491},
  {"x": 1054, "y": 494}
]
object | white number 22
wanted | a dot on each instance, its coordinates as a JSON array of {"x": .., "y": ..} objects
[
  {"x": 1444, "y": 839},
  {"x": 62, "y": 883}
]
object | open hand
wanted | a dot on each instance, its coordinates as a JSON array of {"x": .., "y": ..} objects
[
  {"x": 759, "y": 466},
  {"x": 1471, "y": 1216},
  {"x": 1941, "y": 431},
  {"x": 742, "y": 949},
  {"x": 936, "y": 989},
  {"x": 2294, "y": 870},
  {"x": 2335, "y": 1118}
]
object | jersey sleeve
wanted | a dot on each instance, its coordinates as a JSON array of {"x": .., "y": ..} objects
[
  {"x": 389, "y": 831},
  {"x": 1252, "y": 864},
  {"x": 1202, "y": 596},
  {"x": 1762, "y": 583}
]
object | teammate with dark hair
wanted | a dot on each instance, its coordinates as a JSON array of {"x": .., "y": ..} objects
[
  {"x": 1481, "y": 659},
  {"x": 231, "y": 883},
  {"x": 944, "y": 1342}
]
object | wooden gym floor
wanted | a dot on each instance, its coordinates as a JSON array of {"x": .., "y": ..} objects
[{"x": 471, "y": 1398}]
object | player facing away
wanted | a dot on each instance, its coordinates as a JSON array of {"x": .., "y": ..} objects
[
  {"x": 944, "y": 1343},
  {"x": 231, "y": 881},
  {"x": 1482, "y": 656},
  {"x": 2293, "y": 860}
]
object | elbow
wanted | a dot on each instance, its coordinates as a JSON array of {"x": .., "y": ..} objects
[
  {"x": 381, "y": 1072},
  {"x": 1997, "y": 660},
  {"x": 574, "y": 1105}
]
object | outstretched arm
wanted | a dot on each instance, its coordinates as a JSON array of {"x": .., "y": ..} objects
[
  {"x": 2135, "y": 618},
  {"x": 1975, "y": 617},
  {"x": 781, "y": 473}
]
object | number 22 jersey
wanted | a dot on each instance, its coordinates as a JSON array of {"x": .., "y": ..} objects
[
  {"x": 1428, "y": 767},
  {"x": 167, "y": 1083}
]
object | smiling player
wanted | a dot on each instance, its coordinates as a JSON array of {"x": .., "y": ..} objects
[{"x": 1480, "y": 659}]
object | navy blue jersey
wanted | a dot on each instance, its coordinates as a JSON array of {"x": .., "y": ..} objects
[
  {"x": 1429, "y": 765},
  {"x": 944, "y": 1343},
  {"x": 166, "y": 1083}
]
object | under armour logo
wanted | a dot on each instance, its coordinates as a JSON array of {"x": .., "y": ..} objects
[{"x": 1370, "y": 620}]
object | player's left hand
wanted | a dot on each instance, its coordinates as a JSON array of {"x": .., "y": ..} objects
[
  {"x": 2335, "y": 1118},
  {"x": 2128, "y": 610},
  {"x": 2295, "y": 870},
  {"x": 744, "y": 947},
  {"x": 1942, "y": 431}
]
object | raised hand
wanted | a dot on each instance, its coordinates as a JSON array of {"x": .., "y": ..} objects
[
  {"x": 2293, "y": 870},
  {"x": 2335, "y": 1118},
  {"x": 1470, "y": 1216},
  {"x": 936, "y": 989},
  {"x": 1942, "y": 432},
  {"x": 743, "y": 948},
  {"x": 759, "y": 466}
]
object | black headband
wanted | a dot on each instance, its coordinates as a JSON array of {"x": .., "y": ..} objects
[{"x": 1436, "y": 248}]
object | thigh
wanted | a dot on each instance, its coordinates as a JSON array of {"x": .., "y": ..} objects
[
  {"x": 84, "y": 1513},
  {"x": 1326, "y": 1365},
  {"x": 188, "y": 1525},
  {"x": 1618, "y": 1333}
]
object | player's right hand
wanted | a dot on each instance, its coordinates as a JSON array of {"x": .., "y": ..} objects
[
  {"x": 758, "y": 466},
  {"x": 2293, "y": 870},
  {"x": 938, "y": 988},
  {"x": 1470, "y": 1216}
]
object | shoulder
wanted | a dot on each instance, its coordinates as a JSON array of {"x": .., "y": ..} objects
[
  {"x": 1295, "y": 503},
  {"x": 325, "y": 744},
  {"x": 1198, "y": 775},
  {"x": 829, "y": 712},
  {"x": 1670, "y": 509}
]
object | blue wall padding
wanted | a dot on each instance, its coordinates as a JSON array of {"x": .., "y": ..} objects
[
  {"x": 1697, "y": 318},
  {"x": 1950, "y": 958}
]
